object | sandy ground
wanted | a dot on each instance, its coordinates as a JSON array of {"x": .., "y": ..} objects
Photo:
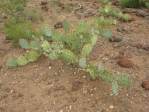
[{"x": 53, "y": 86}]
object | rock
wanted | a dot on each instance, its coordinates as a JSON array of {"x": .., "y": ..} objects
[
  {"x": 111, "y": 107},
  {"x": 45, "y": 8},
  {"x": 115, "y": 39},
  {"x": 44, "y": 2},
  {"x": 145, "y": 84},
  {"x": 89, "y": 13},
  {"x": 129, "y": 10},
  {"x": 44, "y": 5},
  {"x": 142, "y": 13},
  {"x": 122, "y": 29},
  {"x": 141, "y": 46},
  {"x": 76, "y": 85},
  {"x": 125, "y": 62},
  {"x": 115, "y": 2},
  {"x": 138, "y": 45},
  {"x": 146, "y": 47},
  {"x": 74, "y": 99},
  {"x": 50, "y": 67},
  {"x": 58, "y": 25}
]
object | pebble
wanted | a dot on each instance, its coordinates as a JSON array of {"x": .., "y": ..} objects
[
  {"x": 50, "y": 67},
  {"x": 146, "y": 47},
  {"x": 125, "y": 62},
  {"x": 121, "y": 29},
  {"x": 61, "y": 111},
  {"x": 44, "y": 2},
  {"x": 84, "y": 76},
  {"x": 44, "y": 5},
  {"x": 74, "y": 73},
  {"x": 142, "y": 13},
  {"x": 115, "y": 39},
  {"x": 70, "y": 107},
  {"x": 76, "y": 85},
  {"x": 111, "y": 107},
  {"x": 12, "y": 91},
  {"x": 145, "y": 84},
  {"x": 58, "y": 25},
  {"x": 141, "y": 46},
  {"x": 45, "y": 8}
]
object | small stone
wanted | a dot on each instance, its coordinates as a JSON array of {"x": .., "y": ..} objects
[
  {"x": 129, "y": 10},
  {"x": 58, "y": 25},
  {"x": 92, "y": 94},
  {"x": 74, "y": 73},
  {"x": 145, "y": 84},
  {"x": 142, "y": 13},
  {"x": 115, "y": 2},
  {"x": 127, "y": 94},
  {"x": 125, "y": 62},
  {"x": 44, "y": 2},
  {"x": 76, "y": 85},
  {"x": 115, "y": 39},
  {"x": 84, "y": 76},
  {"x": 146, "y": 47},
  {"x": 70, "y": 107},
  {"x": 74, "y": 99},
  {"x": 45, "y": 8},
  {"x": 12, "y": 91},
  {"x": 142, "y": 46},
  {"x": 85, "y": 91},
  {"x": 50, "y": 67},
  {"x": 111, "y": 107},
  {"x": 44, "y": 5},
  {"x": 121, "y": 29},
  {"x": 138, "y": 45}
]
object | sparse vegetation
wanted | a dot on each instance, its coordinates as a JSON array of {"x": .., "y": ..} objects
[
  {"x": 133, "y": 3},
  {"x": 18, "y": 24},
  {"x": 12, "y": 7},
  {"x": 16, "y": 30},
  {"x": 108, "y": 10},
  {"x": 73, "y": 44},
  {"x": 73, "y": 55},
  {"x": 74, "y": 47}
]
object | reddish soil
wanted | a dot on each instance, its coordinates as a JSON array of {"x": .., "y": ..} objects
[{"x": 53, "y": 86}]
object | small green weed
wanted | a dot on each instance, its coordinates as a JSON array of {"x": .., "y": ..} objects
[
  {"x": 28, "y": 57},
  {"x": 17, "y": 30},
  {"x": 108, "y": 10},
  {"x": 15, "y": 27}
]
